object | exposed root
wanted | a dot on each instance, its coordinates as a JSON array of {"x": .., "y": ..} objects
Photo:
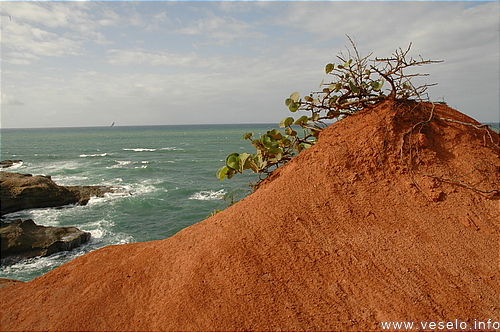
[
  {"x": 481, "y": 127},
  {"x": 414, "y": 152},
  {"x": 459, "y": 182}
]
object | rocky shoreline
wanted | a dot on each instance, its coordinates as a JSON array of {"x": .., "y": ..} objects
[
  {"x": 9, "y": 163},
  {"x": 25, "y": 191},
  {"x": 23, "y": 239}
]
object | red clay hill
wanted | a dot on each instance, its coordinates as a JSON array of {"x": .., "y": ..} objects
[{"x": 388, "y": 218}]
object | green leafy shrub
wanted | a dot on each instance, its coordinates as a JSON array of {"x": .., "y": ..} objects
[{"x": 358, "y": 82}]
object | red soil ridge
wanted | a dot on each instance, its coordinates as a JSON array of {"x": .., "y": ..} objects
[{"x": 347, "y": 235}]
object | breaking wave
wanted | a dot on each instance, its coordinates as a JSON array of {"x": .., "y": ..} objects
[
  {"x": 139, "y": 149},
  {"x": 93, "y": 155},
  {"x": 209, "y": 195}
]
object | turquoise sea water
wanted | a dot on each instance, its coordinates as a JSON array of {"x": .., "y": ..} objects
[
  {"x": 495, "y": 126},
  {"x": 168, "y": 173}
]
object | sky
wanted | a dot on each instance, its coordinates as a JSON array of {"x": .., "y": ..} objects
[{"x": 88, "y": 63}]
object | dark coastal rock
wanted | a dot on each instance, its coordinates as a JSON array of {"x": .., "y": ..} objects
[
  {"x": 24, "y": 239},
  {"x": 9, "y": 163},
  {"x": 24, "y": 191}
]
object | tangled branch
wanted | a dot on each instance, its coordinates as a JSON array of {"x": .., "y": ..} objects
[
  {"x": 358, "y": 82},
  {"x": 452, "y": 180}
]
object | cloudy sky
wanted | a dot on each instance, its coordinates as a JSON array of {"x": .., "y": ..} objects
[{"x": 145, "y": 63}]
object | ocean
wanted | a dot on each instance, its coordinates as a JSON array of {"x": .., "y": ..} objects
[{"x": 167, "y": 174}]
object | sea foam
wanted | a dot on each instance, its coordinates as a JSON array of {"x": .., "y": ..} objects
[
  {"x": 139, "y": 149},
  {"x": 93, "y": 155},
  {"x": 209, "y": 195},
  {"x": 16, "y": 165}
]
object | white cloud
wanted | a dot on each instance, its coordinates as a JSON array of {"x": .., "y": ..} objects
[
  {"x": 54, "y": 29},
  {"x": 25, "y": 43},
  {"x": 108, "y": 17},
  {"x": 220, "y": 30},
  {"x": 10, "y": 100},
  {"x": 225, "y": 62},
  {"x": 48, "y": 14},
  {"x": 151, "y": 58}
]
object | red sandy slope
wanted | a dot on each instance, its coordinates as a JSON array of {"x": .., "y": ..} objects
[{"x": 345, "y": 236}]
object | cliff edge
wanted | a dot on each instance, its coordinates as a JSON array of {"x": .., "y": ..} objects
[{"x": 389, "y": 217}]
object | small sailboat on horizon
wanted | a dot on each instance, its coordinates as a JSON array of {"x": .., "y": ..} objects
[{"x": 112, "y": 124}]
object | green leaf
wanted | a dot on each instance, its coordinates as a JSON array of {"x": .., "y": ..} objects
[
  {"x": 261, "y": 163},
  {"x": 289, "y": 131},
  {"x": 233, "y": 161},
  {"x": 286, "y": 122},
  {"x": 377, "y": 85},
  {"x": 301, "y": 121},
  {"x": 329, "y": 67},
  {"x": 243, "y": 157},
  {"x": 333, "y": 114},
  {"x": 222, "y": 172},
  {"x": 275, "y": 133},
  {"x": 268, "y": 141},
  {"x": 333, "y": 101},
  {"x": 293, "y": 107},
  {"x": 257, "y": 144},
  {"x": 295, "y": 96},
  {"x": 286, "y": 142},
  {"x": 276, "y": 150},
  {"x": 247, "y": 136},
  {"x": 354, "y": 88},
  {"x": 304, "y": 146},
  {"x": 252, "y": 164}
]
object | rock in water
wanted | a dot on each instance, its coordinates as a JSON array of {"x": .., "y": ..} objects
[
  {"x": 24, "y": 191},
  {"x": 9, "y": 163},
  {"x": 24, "y": 239},
  {"x": 375, "y": 223}
]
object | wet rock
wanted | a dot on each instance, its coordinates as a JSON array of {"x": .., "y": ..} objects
[
  {"x": 25, "y": 191},
  {"x": 9, "y": 163},
  {"x": 24, "y": 239}
]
